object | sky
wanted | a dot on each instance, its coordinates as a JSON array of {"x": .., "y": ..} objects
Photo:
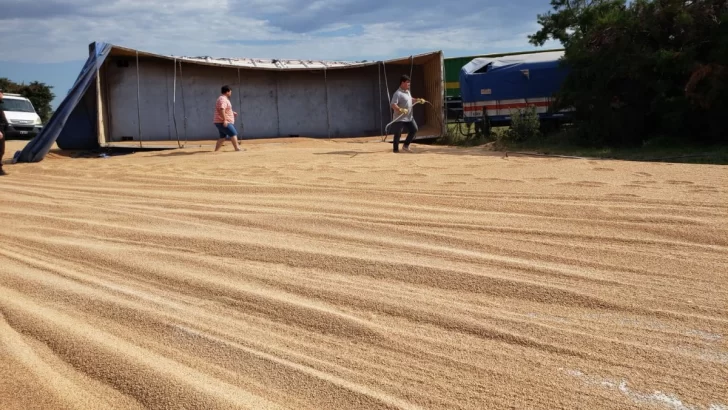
[{"x": 47, "y": 40}]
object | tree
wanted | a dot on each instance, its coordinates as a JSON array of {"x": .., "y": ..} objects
[
  {"x": 9, "y": 86},
  {"x": 40, "y": 94},
  {"x": 650, "y": 68}
]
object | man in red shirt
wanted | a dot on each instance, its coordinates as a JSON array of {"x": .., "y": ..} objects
[{"x": 224, "y": 119}]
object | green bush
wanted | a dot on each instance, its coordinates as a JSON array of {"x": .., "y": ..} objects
[
  {"x": 450, "y": 137},
  {"x": 525, "y": 125},
  {"x": 643, "y": 68},
  {"x": 462, "y": 134}
]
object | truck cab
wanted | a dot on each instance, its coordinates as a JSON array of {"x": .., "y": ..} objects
[{"x": 20, "y": 119}]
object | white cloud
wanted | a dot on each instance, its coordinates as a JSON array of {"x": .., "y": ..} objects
[{"x": 257, "y": 28}]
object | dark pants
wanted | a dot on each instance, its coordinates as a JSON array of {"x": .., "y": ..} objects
[
  {"x": 2, "y": 150},
  {"x": 398, "y": 126}
]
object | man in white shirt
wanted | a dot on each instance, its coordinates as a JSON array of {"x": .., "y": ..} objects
[{"x": 402, "y": 103}]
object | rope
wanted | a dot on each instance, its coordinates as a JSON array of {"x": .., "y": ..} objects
[
  {"x": 174, "y": 104},
  {"x": 393, "y": 121},
  {"x": 396, "y": 119},
  {"x": 412, "y": 62},
  {"x": 139, "y": 111},
  {"x": 240, "y": 106},
  {"x": 278, "y": 110},
  {"x": 328, "y": 120},
  {"x": 412, "y": 65},
  {"x": 442, "y": 125},
  {"x": 384, "y": 137},
  {"x": 384, "y": 132},
  {"x": 379, "y": 82},
  {"x": 166, "y": 89},
  {"x": 184, "y": 107},
  {"x": 389, "y": 96}
]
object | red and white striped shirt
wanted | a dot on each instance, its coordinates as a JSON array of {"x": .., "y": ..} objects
[{"x": 223, "y": 103}]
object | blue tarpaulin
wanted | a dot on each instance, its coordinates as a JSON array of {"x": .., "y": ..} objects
[{"x": 73, "y": 125}]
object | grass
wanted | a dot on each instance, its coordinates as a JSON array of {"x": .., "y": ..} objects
[
  {"x": 455, "y": 136},
  {"x": 559, "y": 143},
  {"x": 657, "y": 151}
]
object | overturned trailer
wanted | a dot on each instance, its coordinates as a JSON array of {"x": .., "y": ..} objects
[{"x": 126, "y": 97}]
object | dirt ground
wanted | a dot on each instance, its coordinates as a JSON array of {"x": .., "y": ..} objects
[{"x": 338, "y": 275}]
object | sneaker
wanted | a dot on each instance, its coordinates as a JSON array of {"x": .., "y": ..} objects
[
  {"x": 2, "y": 172},
  {"x": 406, "y": 149}
]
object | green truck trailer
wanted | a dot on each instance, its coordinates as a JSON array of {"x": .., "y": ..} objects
[{"x": 452, "y": 79}]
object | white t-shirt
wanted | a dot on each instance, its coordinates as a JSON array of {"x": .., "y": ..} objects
[{"x": 403, "y": 99}]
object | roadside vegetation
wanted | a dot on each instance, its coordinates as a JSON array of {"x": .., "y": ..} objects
[{"x": 647, "y": 80}]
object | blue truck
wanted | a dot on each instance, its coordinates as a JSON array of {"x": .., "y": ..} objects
[{"x": 493, "y": 88}]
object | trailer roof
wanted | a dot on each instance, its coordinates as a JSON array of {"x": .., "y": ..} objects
[{"x": 271, "y": 64}]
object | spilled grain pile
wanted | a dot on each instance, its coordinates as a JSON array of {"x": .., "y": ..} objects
[{"x": 339, "y": 275}]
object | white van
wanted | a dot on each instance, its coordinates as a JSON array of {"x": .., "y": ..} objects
[{"x": 22, "y": 120}]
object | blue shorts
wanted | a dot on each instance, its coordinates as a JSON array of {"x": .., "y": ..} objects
[{"x": 226, "y": 132}]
